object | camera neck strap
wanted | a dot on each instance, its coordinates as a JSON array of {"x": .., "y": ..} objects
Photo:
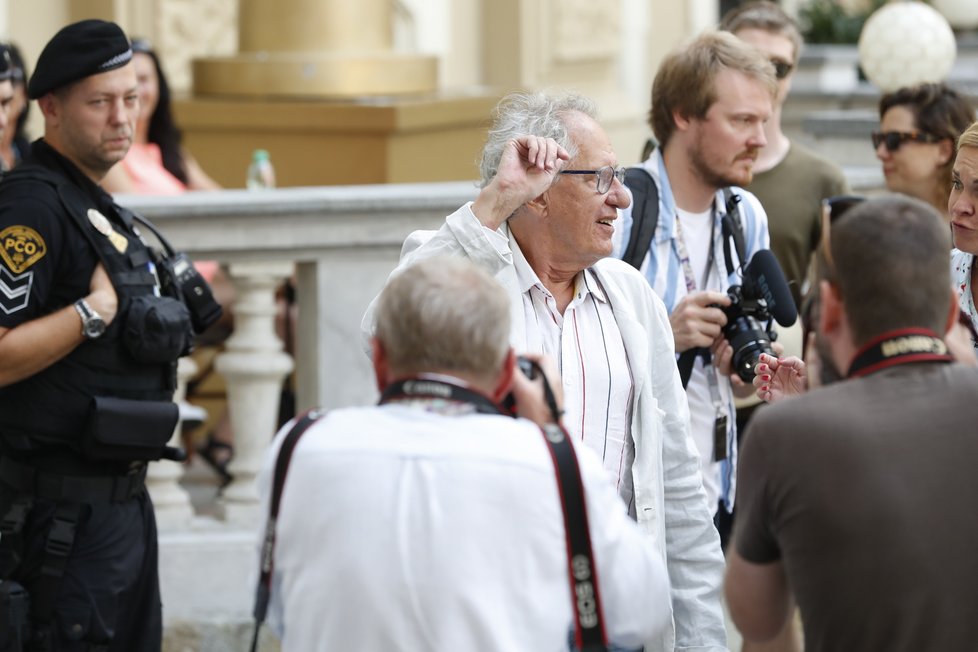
[
  {"x": 589, "y": 631},
  {"x": 898, "y": 347},
  {"x": 427, "y": 387},
  {"x": 263, "y": 590},
  {"x": 732, "y": 230}
]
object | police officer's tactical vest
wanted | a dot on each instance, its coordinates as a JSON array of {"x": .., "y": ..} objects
[{"x": 103, "y": 366}]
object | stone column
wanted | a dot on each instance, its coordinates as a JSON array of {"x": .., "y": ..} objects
[
  {"x": 315, "y": 48},
  {"x": 314, "y": 26},
  {"x": 254, "y": 366},
  {"x": 170, "y": 500}
]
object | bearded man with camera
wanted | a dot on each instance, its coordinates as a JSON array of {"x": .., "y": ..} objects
[{"x": 710, "y": 100}]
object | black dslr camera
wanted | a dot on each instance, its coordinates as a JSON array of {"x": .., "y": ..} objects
[
  {"x": 531, "y": 370},
  {"x": 763, "y": 297},
  {"x": 745, "y": 333}
]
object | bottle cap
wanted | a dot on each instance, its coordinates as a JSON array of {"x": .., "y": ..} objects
[{"x": 260, "y": 155}]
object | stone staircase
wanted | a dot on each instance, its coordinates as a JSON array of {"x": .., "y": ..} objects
[{"x": 833, "y": 111}]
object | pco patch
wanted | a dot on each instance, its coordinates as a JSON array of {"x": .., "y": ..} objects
[{"x": 21, "y": 247}]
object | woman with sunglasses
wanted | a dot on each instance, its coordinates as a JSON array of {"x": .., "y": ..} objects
[{"x": 919, "y": 126}]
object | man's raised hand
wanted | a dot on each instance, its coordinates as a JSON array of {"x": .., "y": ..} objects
[{"x": 526, "y": 169}]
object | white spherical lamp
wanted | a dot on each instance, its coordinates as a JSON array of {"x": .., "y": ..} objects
[
  {"x": 962, "y": 14},
  {"x": 906, "y": 43}
]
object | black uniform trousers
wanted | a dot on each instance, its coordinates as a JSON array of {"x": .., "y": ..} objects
[{"x": 109, "y": 597}]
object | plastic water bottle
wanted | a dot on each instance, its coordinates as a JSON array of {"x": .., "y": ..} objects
[{"x": 261, "y": 174}]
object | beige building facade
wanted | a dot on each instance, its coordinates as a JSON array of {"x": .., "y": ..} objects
[{"x": 378, "y": 90}]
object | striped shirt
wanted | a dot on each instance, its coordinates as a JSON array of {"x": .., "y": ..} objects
[{"x": 590, "y": 354}]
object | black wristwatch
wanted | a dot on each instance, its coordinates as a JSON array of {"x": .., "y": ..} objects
[{"x": 92, "y": 323}]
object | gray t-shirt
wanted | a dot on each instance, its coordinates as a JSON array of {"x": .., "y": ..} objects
[
  {"x": 866, "y": 491},
  {"x": 791, "y": 193}
]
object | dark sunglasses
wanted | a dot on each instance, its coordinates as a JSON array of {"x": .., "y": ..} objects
[
  {"x": 782, "y": 68},
  {"x": 840, "y": 204},
  {"x": 833, "y": 208},
  {"x": 894, "y": 139}
]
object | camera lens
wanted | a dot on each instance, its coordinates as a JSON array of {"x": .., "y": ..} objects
[{"x": 749, "y": 340}]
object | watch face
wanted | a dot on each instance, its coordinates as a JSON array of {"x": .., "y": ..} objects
[
  {"x": 92, "y": 323},
  {"x": 94, "y": 326}
]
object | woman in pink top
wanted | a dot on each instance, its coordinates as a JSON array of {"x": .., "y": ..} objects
[{"x": 156, "y": 164}]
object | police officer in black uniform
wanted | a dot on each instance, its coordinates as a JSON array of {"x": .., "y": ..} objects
[{"x": 89, "y": 340}]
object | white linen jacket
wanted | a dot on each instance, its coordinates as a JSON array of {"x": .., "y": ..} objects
[{"x": 669, "y": 497}]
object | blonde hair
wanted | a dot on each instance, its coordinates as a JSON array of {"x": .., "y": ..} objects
[{"x": 970, "y": 137}]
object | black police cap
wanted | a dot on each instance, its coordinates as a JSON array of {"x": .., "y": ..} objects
[{"x": 77, "y": 51}]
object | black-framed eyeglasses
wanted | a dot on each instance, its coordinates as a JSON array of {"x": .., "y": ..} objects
[
  {"x": 895, "y": 139},
  {"x": 832, "y": 209},
  {"x": 782, "y": 68},
  {"x": 840, "y": 204},
  {"x": 605, "y": 176}
]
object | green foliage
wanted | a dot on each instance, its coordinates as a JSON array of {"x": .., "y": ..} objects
[{"x": 826, "y": 21}]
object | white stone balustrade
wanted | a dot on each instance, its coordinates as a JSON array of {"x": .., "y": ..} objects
[
  {"x": 172, "y": 505},
  {"x": 254, "y": 366},
  {"x": 343, "y": 243}
]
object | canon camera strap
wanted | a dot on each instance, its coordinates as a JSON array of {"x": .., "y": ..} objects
[
  {"x": 264, "y": 589},
  {"x": 899, "y": 347},
  {"x": 589, "y": 632}
]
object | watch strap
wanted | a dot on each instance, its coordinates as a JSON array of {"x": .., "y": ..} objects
[{"x": 91, "y": 320}]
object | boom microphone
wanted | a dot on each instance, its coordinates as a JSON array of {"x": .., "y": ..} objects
[{"x": 765, "y": 279}]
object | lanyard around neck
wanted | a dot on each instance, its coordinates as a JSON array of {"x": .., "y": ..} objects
[{"x": 682, "y": 251}]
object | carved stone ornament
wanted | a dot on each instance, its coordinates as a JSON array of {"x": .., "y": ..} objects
[{"x": 585, "y": 29}]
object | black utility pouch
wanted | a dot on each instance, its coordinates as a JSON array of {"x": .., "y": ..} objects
[
  {"x": 121, "y": 429},
  {"x": 157, "y": 329}
]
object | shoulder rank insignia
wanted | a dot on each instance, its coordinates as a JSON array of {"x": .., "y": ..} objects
[{"x": 21, "y": 247}]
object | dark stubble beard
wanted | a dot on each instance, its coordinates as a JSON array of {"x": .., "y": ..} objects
[
  {"x": 707, "y": 173},
  {"x": 828, "y": 373}
]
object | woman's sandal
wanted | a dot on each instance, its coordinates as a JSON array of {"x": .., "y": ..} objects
[{"x": 217, "y": 454}]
